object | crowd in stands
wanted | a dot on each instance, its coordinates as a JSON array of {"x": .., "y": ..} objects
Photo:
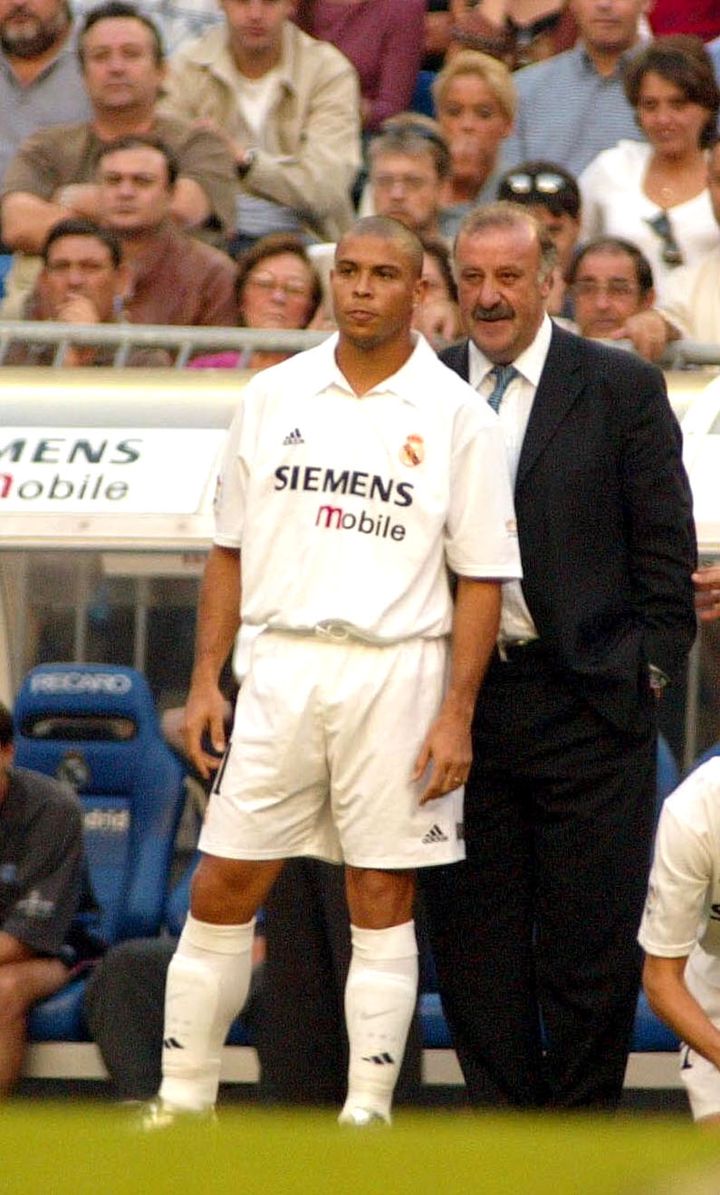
[
  {"x": 193, "y": 132},
  {"x": 196, "y": 164}
]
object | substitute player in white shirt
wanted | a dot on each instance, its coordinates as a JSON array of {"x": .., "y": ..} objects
[
  {"x": 680, "y": 933},
  {"x": 356, "y": 476}
]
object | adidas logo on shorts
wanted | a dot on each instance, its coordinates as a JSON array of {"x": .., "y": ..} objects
[
  {"x": 294, "y": 437},
  {"x": 435, "y": 834}
]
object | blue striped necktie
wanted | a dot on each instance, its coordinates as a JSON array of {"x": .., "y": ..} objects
[{"x": 502, "y": 376}]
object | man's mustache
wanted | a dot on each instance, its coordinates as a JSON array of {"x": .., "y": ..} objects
[{"x": 489, "y": 315}]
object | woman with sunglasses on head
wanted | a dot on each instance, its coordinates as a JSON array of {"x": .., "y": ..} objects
[
  {"x": 655, "y": 193},
  {"x": 277, "y": 287},
  {"x": 476, "y": 102}
]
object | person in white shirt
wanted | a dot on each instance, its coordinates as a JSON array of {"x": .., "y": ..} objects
[
  {"x": 355, "y": 476},
  {"x": 680, "y": 933},
  {"x": 655, "y": 193},
  {"x": 691, "y": 304}
]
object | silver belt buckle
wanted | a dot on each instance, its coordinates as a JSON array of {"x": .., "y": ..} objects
[{"x": 333, "y": 631}]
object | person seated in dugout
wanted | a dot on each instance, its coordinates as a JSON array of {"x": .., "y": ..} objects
[{"x": 46, "y": 903}]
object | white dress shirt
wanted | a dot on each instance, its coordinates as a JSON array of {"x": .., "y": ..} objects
[{"x": 516, "y": 622}]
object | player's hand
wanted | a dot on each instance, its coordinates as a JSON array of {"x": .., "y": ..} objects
[
  {"x": 707, "y": 592},
  {"x": 447, "y": 750},
  {"x": 205, "y": 710}
]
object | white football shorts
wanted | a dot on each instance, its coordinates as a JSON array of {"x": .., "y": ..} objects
[{"x": 324, "y": 743}]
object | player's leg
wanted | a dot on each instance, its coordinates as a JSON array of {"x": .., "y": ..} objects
[
  {"x": 22, "y": 984},
  {"x": 386, "y": 834},
  {"x": 381, "y": 990},
  {"x": 267, "y": 804},
  {"x": 209, "y": 976}
]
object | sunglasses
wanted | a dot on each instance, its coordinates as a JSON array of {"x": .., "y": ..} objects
[
  {"x": 661, "y": 226},
  {"x": 545, "y": 182}
]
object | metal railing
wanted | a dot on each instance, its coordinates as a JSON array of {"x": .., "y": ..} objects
[{"x": 183, "y": 342}]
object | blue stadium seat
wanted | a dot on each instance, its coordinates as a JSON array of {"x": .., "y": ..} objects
[
  {"x": 710, "y": 753},
  {"x": 650, "y": 1035},
  {"x": 668, "y": 773},
  {"x": 96, "y": 726}
]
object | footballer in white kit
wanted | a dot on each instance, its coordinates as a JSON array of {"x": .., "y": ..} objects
[
  {"x": 348, "y": 515},
  {"x": 680, "y": 932},
  {"x": 358, "y": 478}
]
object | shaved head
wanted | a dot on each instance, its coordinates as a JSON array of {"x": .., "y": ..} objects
[{"x": 404, "y": 240}]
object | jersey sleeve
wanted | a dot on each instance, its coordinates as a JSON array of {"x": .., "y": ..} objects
[
  {"x": 230, "y": 494},
  {"x": 678, "y": 890},
  {"x": 481, "y": 532}
]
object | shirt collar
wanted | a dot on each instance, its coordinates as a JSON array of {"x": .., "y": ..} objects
[
  {"x": 529, "y": 363},
  {"x": 407, "y": 382},
  {"x": 213, "y": 51},
  {"x": 622, "y": 62}
]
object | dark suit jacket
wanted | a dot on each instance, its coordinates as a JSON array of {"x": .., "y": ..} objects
[{"x": 605, "y": 523}]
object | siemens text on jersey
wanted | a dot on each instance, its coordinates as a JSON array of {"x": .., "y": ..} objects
[{"x": 345, "y": 481}]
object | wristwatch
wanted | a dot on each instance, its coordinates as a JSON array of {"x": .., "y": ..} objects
[
  {"x": 243, "y": 164},
  {"x": 658, "y": 678}
]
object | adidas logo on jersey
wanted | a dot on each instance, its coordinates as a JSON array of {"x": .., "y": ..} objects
[
  {"x": 435, "y": 834},
  {"x": 383, "y": 1059},
  {"x": 172, "y": 1043},
  {"x": 294, "y": 437}
]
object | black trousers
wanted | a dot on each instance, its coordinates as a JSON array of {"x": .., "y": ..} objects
[
  {"x": 534, "y": 934},
  {"x": 295, "y": 1009}
]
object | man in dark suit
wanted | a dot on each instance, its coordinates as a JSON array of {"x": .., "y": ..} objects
[{"x": 534, "y": 935}]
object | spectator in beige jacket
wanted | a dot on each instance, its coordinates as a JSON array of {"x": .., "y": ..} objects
[{"x": 289, "y": 108}]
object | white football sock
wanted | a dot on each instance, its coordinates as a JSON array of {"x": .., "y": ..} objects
[
  {"x": 380, "y": 998},
  {"x": 207, "y": 985}
]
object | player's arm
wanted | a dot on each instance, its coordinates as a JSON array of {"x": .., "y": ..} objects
[
  {"x": 217, "y": 625},
  {"x": 671, "y": 1000},
  {"x": 448, "y": 745}
]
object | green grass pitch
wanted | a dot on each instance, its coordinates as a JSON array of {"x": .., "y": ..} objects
[{"x": 50, "y": 1149}]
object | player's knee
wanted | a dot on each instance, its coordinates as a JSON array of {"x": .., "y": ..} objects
[
  {"x": 380, "y": 899},
  {"x": 229, "y": 890}
]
